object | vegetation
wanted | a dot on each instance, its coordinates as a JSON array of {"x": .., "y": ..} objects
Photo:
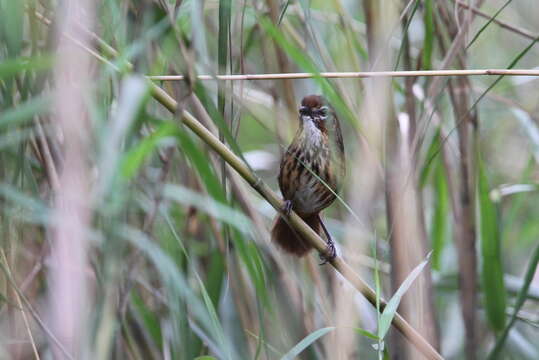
[{"x": 135, "y": 211}]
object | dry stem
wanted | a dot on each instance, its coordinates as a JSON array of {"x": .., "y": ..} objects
[{"x": 353, "y": 75}]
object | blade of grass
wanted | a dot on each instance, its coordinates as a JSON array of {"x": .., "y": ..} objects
[
  {"x": 13, "y": 25},
  {"x": 16, "y": 66},
  {"x": 306, "y": 342},
  {"x": 225, "y": 13},
  {"x": 405, "y": 32},
  {"x": 491, "y": 266},
  {"x": 440, "y": 217},
  {"x": 428, "y": 42},
  {"x": 25, "y": 112},
  {"x": 530, "y": 272},
  {"x": 483, "y": 28},
  {"x": 391, "y": 308}
]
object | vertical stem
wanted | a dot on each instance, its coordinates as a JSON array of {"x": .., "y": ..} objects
[
  {"x": 407, "y": 233},
  {"x": 67, "y": 277}
]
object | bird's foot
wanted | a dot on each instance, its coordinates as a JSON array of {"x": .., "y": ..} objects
[
  {"x": 287, "y": 207},
  {"x": 329, "y": 254}
]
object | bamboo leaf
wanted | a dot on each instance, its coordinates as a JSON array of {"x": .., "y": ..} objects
[
  {"x": 135, "y": 157},
  {"x": 391, "y": 308},
  {"x": 441, "y": 210},
  {"x": 24, "y": 112},
  {"x": 15, "y": 66},
  {"x": 366, "y": 333},
  {"x": 306, "y": 342},
  {"x": 12, "y": 25},
  {"x": 491, "y": 266},
  {"x": 429, "y": 35},
  {"x": 528, "y": 278}
]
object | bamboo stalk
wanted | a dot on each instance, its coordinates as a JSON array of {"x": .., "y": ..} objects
[
  {"x": 352, "y": 75},
  {"x": 299, "y": 225}
]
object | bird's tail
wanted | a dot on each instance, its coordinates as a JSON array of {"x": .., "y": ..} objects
[{"x": 289, "y": 240}]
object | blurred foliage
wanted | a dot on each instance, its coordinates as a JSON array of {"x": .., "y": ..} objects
[{"x": 180, "y": 259}]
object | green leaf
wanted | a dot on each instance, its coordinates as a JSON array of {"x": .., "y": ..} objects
[
  {"x": 391, "y": 308},
  {"x": 200, "y": 162},
  {"x": 366, "y": 334},
  {"x": 441, "y": 210},
  {"x": 429, "y": 35},
  {"x": 149, "y": 318},
  {"x": 530, "y": 273},
  {"x": 15, "y": 66},
  {"x": 431, "y": 153},
  {"x": 491, "y": 266},
  {"x": 135, "y": 157},
  {"x": 206, "y": 357},
  {"x": 12, "y": 25},
  {"x": 306, "y": 342},
  {"x": 217, "y": 328},
  {"x": 405, "y": 31},
  {"x": 225, "y": 14},
  {"x": 24, "y": 112}
]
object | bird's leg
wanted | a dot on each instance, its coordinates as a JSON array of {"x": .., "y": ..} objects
[
  {"x": 331, "y": 252},
  {"x": 287, "y": 207}
]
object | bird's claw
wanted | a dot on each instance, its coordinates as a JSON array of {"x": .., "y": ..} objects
[
  {"x": 329, "y": 254},
  {"x": 287, "y": 207}
]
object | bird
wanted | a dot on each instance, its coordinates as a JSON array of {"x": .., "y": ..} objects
[{"x": 310, "y": 176}]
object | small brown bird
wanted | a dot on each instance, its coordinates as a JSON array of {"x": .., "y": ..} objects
[{"x": 311, "y": 173}]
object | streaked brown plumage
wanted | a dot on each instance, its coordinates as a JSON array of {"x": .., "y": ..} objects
[{"x": 313, "y": 162}]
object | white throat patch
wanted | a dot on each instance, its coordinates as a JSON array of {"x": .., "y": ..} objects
[{"x": 311, "y": 132}]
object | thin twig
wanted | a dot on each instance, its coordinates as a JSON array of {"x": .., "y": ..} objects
[{"x": 352, "y": 75}]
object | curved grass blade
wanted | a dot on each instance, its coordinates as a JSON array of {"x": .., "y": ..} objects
[
  {"x": 393, "y": 303},
  {"x": 530, "y": 272},
  {"x": 135, "y": 157},
  {"x": 306, "y": 342}
]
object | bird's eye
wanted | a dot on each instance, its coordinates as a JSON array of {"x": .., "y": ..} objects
[{"x": 303, "y": 110}]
